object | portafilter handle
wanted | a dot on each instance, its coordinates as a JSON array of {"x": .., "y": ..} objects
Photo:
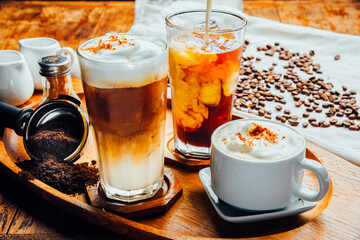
[{"x": 13, "y": 117}]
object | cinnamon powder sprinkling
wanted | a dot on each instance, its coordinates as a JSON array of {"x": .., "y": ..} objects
[
  {"x": 258, "y": 133},
  {"x": 121, "y": 40}
]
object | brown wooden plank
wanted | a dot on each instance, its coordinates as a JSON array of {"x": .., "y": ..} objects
[
  {"x": 265, "y": 9},
  {"x": 7, "y": 208},
  {"x": 69, "y": 22},
  {"x": 342, "y": 17}
]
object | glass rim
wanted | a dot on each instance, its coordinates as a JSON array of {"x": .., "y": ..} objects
[
  {"x": 241, "y": 27},
  {"x": 164, "y": 50}
]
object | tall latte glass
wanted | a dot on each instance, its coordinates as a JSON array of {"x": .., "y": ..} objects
[
  {"x": 203, "y": 75},
  {"x": 125, "y": 81}
]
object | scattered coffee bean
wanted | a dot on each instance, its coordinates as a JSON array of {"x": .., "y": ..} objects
[
  {"x": 287, "y": 111},
  {"x": 333, "y": 121},
  {"x": 278, "y": 107},
  {"x": 312, "y": 120},
  {"x": 255, "y": 87},
  {"x": 314, "y": 124},
  {"x": 326, "y": 125},
  {"x": 337, "y": 57},
  {"x": 306, "y": 114},
  {"x": 268, "y": 116},
  {"x": 346, "y": 124},
  {"x": 293, "y": 122},
  {"x": 305, "y": 124},
  {"x": 354, "y": 128},
  {"x": 340, "y": 114}
]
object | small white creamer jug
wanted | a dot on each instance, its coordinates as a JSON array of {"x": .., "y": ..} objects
[
  {"x": 34, "y": 49},
  {"x": 16, "y": 83}
]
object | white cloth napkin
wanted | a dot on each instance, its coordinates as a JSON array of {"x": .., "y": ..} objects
[{"x": 149, "y": 19}]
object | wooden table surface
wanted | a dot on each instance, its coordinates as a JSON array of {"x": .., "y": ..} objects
[{"x": 24, "y": 215}]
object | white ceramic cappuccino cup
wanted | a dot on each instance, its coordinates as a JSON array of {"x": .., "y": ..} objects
[{"x": 264, "y": 184}]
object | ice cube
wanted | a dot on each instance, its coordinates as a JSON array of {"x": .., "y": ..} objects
[{"x": 212, "y": 26}]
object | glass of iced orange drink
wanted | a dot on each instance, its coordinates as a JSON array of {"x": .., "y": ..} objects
[{"x": 204, "y": 70}]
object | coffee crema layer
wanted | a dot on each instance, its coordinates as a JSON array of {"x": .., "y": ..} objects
[
  {"x": 258, "y": 140},
  {"x": 129, "y": 60}
]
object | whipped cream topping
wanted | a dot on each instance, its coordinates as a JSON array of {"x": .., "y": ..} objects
[
  {"x": 120, "y": 48},
  {"x": 258, "y": 140},
  {"x": 122, "y": 60}
]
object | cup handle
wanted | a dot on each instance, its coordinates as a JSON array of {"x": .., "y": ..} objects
[
  {"x": 322, "y": 175},
  {"x": 75, "y": 66}
]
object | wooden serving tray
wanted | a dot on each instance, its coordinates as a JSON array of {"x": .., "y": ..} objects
[{"x": 193, "y": 216}]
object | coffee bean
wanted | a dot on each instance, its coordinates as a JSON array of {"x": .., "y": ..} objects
[
  {"x": 309, "y": 109},
  {"x": 278, "y": 117},
  {"x": 318, "y": 110},
  {"x": 247, "y": 42},
  {"x": 352, "y": 117},
  {"x": 354, "y": 128},
  {"x": 293, "y": 122},
  {"x": 287, "y": 111},
  {"x": 321, "y": 122},
  {"x": 261, "y": 112},
  {"x": 346, "y": 124},
  {"x": 338, "y": 124},
  {"x": 282, "y": 119},
  {"x": 325, "y": 105},
  {"x": 314, "y": 124},
  {"x": 337, "y": 57},
  {"x": 278, "y": 107},
  {"x": 340, "y": 114},
  {"x": 298, "y": 104},
  {"x": 333, "y": 121},
  {"x": 326, "y": 125},
  {"x": 312, "y": 53},
  {"x": 312, "y": 120},
  {"x": 268, "y": 116},
  {"x": 348, "y": 111},
  {"x": 306, "y": 114},
  {"x": 352, "y": 92}
]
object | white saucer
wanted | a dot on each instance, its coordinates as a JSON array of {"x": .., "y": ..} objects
[{"x": 232, "y": 214}]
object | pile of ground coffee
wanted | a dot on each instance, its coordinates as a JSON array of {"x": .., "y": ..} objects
[
  {"x": 51, "y": 143},
  {"x": 66, "y": 177},
  {"x": 55, "y": 140}
]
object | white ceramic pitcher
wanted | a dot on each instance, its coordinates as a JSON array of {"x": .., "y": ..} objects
[
  {"x": 34, "y": 49},
  {"x": 16, "y": 84}
]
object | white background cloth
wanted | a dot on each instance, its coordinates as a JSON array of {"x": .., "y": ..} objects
[{"x": 149, "y": 19}]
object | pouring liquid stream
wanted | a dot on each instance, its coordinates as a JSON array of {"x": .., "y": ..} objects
[{"x": 208, "y": 11}]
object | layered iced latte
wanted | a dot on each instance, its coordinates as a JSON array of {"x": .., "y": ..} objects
[
  {"x": 125, "y": 82},
  {"x": 204, "y": 71}
]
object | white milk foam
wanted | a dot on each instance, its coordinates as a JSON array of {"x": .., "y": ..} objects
[
  {"x": 235, "y": 140},
  {"x": 121, "y": 60}
]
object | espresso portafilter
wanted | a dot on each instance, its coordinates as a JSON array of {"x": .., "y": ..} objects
[{"x": 61, "y": 114}]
